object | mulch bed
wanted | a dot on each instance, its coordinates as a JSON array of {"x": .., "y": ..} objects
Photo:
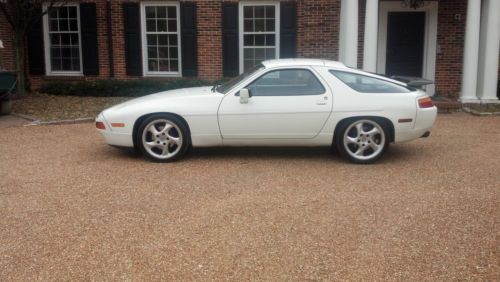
[{"x": 44, "y": 107}]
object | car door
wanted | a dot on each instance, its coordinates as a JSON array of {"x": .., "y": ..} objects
[{"x": 288, "y": 103}]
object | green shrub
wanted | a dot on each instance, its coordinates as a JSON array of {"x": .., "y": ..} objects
[{"x": 119, "y": 88}]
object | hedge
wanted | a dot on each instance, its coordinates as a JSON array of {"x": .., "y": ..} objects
[{"x": 119, "y": 88}]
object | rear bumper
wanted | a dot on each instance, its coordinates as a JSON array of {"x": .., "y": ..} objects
[
  {"x": 424, "y": 121},
  {"x": 114, "y": 138}
]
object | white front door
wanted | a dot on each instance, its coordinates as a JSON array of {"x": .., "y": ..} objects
[{"x": 285, "y": 104}]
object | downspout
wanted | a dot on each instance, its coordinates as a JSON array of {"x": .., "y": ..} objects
[{"x": 110, "y": 40}]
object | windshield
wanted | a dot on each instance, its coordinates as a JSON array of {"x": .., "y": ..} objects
[{"x": 224, "y": 88}]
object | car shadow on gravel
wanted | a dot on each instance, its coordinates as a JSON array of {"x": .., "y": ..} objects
[{"x": 393, "y": 154}]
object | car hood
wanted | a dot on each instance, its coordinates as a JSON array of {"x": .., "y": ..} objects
[{"x": 171, "y": 95}]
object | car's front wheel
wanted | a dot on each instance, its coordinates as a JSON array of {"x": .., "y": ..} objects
[
  {"x": 362, "y": 141},
  {"x": 163, "y": 138}
]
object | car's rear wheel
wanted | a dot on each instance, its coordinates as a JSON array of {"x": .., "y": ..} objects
[
  {"x": 163, "y": 138},
  {"x": 362, "y": 141}
]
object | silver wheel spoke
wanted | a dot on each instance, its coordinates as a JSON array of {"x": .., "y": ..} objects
[
  {"x": 151, "y": 144},
  {"x": 174, "y": 140},
  {"x": 359, "y": 127},
  {"x": 360, "y": 151},
  {"x": 373, "y": 131},
  {"x": 165, "y": 151},
  {"x": 374, "y": 146},
  {"x": 153, "y": 130},
  {"x": 350, "y": 140},
  {"x": 166, "y": 128}
]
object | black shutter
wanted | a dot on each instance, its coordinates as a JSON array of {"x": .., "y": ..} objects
[
  {"x": 230, "y": 47},
  {"x": 188, "y": 39},
  {"x": 88, "y": 23},
  {"x": 36, "y": 55},
  {"x": 133, "y": 55},
  {"x": 288, "y": 30}
]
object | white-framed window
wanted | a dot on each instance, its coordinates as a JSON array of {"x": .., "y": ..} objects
[
  {"x": 259, "y": 32},
  {"x": 62, "y": 40},
  {"x": 161, "y": 42}
]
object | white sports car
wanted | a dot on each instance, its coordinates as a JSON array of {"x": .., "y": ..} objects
[{"x": 288, "y": 102}]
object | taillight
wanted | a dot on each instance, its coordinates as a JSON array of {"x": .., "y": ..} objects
[
  {"x": 425, "y": 102},
  {"x": 100, "y": 125}
]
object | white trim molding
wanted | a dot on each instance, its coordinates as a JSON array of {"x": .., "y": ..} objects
[
  {"x": 145, "y": 69},
  {"x": 47, "y": 43},
  {"x": 430, "y": 38},
  {"x": 241, "y": 32}
]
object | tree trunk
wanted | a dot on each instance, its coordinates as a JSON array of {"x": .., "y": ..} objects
[{"x": 19, "y": 45}]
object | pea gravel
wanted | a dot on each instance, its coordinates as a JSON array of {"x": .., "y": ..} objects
[{"x": 72, "y": 207}]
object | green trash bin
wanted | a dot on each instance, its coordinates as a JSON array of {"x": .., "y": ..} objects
[{"x": 8, "y": 80}]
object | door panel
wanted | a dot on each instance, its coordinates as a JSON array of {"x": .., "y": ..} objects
[
  {"x": 274, "y": 117},
  {"x": 405, "y": 43}
]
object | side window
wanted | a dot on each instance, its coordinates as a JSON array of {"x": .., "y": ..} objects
[
  {"x": 367, "y": 84},
  {"x": 290, "y": 82}
]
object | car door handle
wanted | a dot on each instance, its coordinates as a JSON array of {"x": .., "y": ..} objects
[{"x": 322, "y": 101}]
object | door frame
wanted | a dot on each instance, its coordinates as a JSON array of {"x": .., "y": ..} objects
[{"x": 430, "y": 37}]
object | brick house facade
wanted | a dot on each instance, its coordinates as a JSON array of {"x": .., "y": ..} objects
[{"x": 215, "y": 48}]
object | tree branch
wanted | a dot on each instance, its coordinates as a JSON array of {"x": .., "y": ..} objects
[{"x": 7, "y": 15}]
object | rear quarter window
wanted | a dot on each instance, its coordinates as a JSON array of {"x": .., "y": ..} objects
[{"x": 368, "y": 84}]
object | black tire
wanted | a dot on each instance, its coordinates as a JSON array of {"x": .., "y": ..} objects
[
  {"x": 365, "y": 146},
  {"x": 164, "y": 148}
]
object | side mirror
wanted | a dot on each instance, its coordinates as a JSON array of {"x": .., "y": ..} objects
[{"x": 244, "y": 95}]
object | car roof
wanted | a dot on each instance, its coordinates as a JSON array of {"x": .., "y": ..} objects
[
  {"x": 302, "y": 62},
  {"x": 324, "y": 63}
]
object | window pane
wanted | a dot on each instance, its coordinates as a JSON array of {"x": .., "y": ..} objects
[
  {"x": 172, "y": 25},
  {"x": 73, "y": 25},
  {"x": 270, "y": 53},
  {"x": 172, "y": 40},
  {"x": 292, "y": 82},
  {"x": 163, "y": 40},
  {"x": 260, "y": 54},
  {"x": 172, "y": 14},
  {"x": 63, "y": 25},
  {"x": 152, "y": 40},
  {"x": 248, "y": 25},
  {"x": 55, "y": 53},
  {"x": 248, "y": 12},
  {"x": 55, "y": 39},
  {"x": 162, "y": 25},
  {"x": 53, "y": 25},
  {"x": 74, "y": 39},
  {"x": 270, "y": 40},
  {"x": 164, "y": 65},
  {"x": 248, "y": 64},
  {"x": 260, "y": 40},
  {"x": 152, "y": 52},
  {"x": 150, "y": 12},
  {"x": 65, "y": 39},
  {"x": 248, "y": 53},
  {"x": 259, "y": 25},
  {"x": 248, "y": 40},
  {"x": 259, "y": 12},
  {"x": 163, "y": 52},
  {"x": 270, "y": 25},
  {"x": 173, "y": 53},
  {"x": 151, "y": 25},
  {"x": 56, "y": 64},
  {"x": 63, "y": 12},
  {"x": 152, "y": 65},
  {"x": 174, "y": 65},
  {"x": 367, "y": 84},
  {"x": 72, "y": 12},
  {"x": 161, "y": 12},
  {"x": 270, "y": 12}
]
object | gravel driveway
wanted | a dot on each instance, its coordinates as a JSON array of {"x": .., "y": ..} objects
[{"x": 72, "y": 207}]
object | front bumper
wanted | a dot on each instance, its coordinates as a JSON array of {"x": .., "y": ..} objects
[{"x": 114, "y": 138}]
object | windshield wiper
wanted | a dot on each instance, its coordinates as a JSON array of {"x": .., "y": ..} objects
[{"x": 214, "y": 88}]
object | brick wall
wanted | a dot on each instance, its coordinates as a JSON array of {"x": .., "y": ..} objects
[{"x": 318, "y": 24}]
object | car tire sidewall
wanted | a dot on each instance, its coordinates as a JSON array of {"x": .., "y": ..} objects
[
  {"x": 339, "y": 139},
  {"x": 173, "y": 119}
]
